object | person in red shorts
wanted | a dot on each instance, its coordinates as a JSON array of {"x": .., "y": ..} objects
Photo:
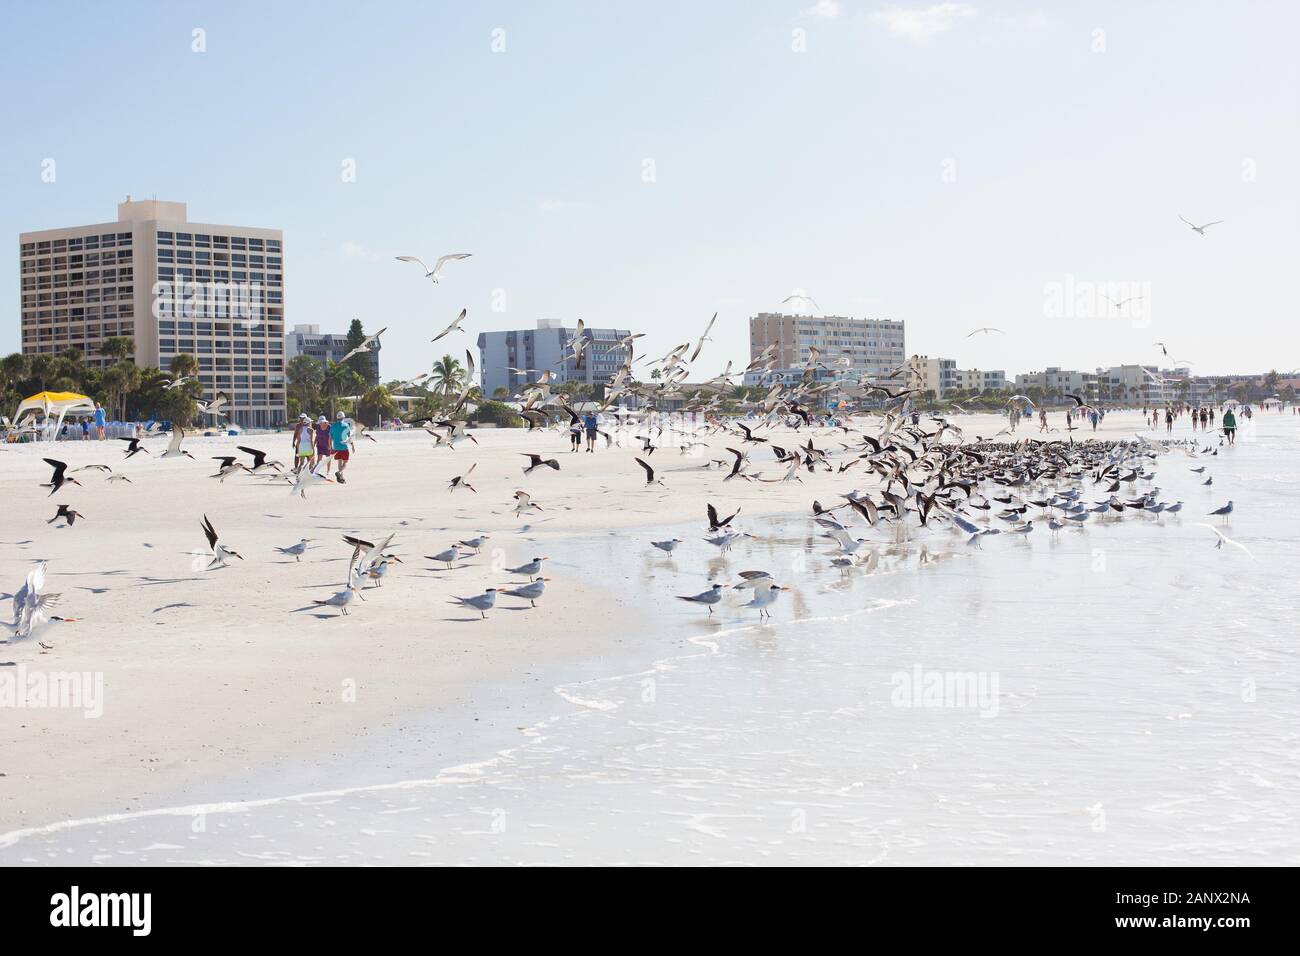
[{"x": 340, "y": 441}]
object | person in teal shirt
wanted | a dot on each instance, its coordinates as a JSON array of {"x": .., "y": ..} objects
[
  {"x": 1230, "y": 426},
  {"x": 340, "y": 438}
]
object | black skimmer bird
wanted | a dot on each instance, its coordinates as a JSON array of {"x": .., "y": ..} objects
[
  {"x": 537, "y": 461},
  {"x": 133, "y": 447},
  {"x": 220, "y": 553},
  {"x": 716, "y": 523},
  {"x": 260, "y": 464},
  {"x": 649, "y": 473},
  {"x": 67, "y": 514},
  {"x": 60, "y": 476},
  {"x": 462, "y": 481}
]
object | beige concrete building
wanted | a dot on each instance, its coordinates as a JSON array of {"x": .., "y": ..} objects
[
  {"x": 873, "y": 346},
  {"x": 171, "y": 286},
  {"x": 974, "y": 379}
]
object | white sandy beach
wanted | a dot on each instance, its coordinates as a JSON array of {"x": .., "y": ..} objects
[{"x": 208, "y": 676}]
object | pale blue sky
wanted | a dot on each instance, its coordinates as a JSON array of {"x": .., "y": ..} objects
[{"x": 776, "y": 170}]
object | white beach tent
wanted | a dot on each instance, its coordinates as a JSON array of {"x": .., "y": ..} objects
[{"x": 50, "y": 404}]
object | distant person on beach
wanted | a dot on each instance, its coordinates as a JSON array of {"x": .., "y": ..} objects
[
  {"x": 322, "y": 443},
  {"x": 1042, "y": 419},
  {"x": 1230, "y": 426},
  {"x": 85, "y": 429},
  {"x": 340, "y": 438},
  {"x": 302, "y": 443},
  {"x": 589, "y": 423},
  {"x": 1169, "y": 419},
  {"x": 100, "y": 421},
  {"x": 575, "y": 435}
]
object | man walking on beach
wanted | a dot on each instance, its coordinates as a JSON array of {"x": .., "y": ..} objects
[
  {"x": 340, "y": 433},
  {"x": 1230, "y": 426},
  {"x": 589, "y": 422}
]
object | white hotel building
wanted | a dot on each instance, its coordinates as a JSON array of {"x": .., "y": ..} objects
[{"x": 171, "y": 286}]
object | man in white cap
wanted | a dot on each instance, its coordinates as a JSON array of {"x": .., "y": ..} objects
[{"x": 303, "y": 444}]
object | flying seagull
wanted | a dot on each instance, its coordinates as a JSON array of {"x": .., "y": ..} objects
[
  {"x": 802, "y": 298},
  {"x": 986, "y": 329},
  {"x": 364, "y": 346},
  {"x": 434, "y": 274},
  {"x": 1224, "y": 539},
  {"x": 454, "y": 327},
  {"x": 1201, "y": 229}
]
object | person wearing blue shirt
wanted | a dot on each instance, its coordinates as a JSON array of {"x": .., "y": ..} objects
[
  {"x": 589, "y": 423},
  {"x": 100, "y": 421},
  {"x": 340, "y": 434}
]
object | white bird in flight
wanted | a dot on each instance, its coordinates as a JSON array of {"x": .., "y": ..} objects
[
  {"x": 365, "y": 345},
  {"x": 434, "y": 274},
  {"x": 1224, "y": 539},
  {"x": 454, "y": 327},
  {"x": 1201, "y": 229},
  {"x": 986, "y": 329}
]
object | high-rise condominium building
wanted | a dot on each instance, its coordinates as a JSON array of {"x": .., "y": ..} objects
[
  {"x": 546, "y": 348},
  {"x": 874, "y": 347},
  {"x": 171, "y": 286}
]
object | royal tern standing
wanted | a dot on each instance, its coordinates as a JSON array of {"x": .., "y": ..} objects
[{"x": 708, "y": 598}]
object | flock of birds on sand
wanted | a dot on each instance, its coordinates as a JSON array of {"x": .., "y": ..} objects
[{"x": 925, "y": 476}]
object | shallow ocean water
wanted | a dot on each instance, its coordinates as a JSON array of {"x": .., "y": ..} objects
[{"x": 1123, "y": 693}]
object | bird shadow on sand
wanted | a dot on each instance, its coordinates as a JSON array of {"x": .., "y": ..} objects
[
  {"x": 167, "y": 607},
  {"x": 463, "y": 620},
  {"x": 149, "y": 582}
]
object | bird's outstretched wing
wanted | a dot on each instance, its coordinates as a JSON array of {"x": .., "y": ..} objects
[{"x": 210, "y": 532}]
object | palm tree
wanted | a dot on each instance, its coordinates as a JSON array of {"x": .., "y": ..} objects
[
  {"x": 447, "y": 376},
  {"x": 340, "y": 380},
  {"x": 119, "y": 348},
  {"x": 378, "y": 401}
]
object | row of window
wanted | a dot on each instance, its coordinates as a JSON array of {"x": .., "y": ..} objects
[
  {"x": 206, "y": 258},
  {"x": 106, "y": 294},
  {"x": 59, "y": 263},
  {"x": 106, "y": 241},
  {"x": 206, "y": 347},
  {"x": 201, "y": 240},
  {"x": 180, "y": 274},
  {"x": 77, "y": 332}
]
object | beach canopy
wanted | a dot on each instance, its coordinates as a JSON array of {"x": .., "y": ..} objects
[{"x": 54, "y": 403}]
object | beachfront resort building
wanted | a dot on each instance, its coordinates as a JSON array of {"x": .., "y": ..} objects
[
  {"x": 979, "y": 380},
  {"x": 934, "y": 375},
  {"x": 325, "y": 346},
  {"x": 873, "y": 347},
  {"x": 170, "y": 286},
  {"x": 1136, "y": 384},
  {"x": 1059, "y": 381},
  {"x": 530, "y": 352}
]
